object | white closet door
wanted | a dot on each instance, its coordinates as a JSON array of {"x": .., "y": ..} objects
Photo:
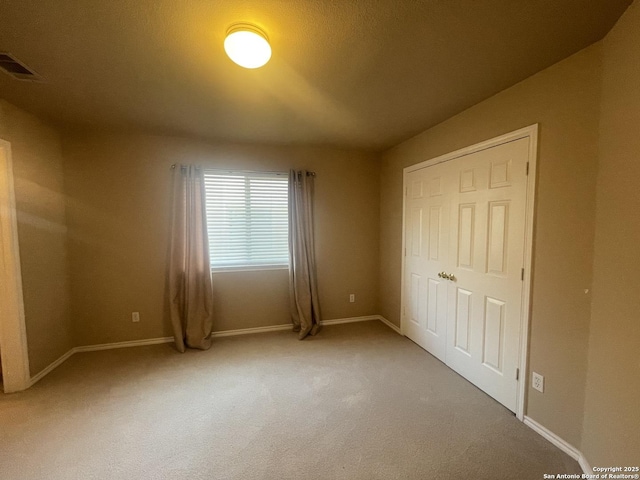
[
  {"x": 487, "y": 241},
  {"x": 426, "y": 254},
  {"x": 466, "y": 218}
]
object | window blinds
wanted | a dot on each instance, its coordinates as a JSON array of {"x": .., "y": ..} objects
[{"x": 247, "y": 219}]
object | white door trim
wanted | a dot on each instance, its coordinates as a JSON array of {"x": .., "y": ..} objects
[
  {"x": 13, "y": 332},
  {"x": 530, "y": 132}
]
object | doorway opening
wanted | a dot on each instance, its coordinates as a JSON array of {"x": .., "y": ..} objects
[{"x": 14, "y": 359}]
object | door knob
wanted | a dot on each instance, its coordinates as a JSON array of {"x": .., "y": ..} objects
[{"x": 447, "y": 276}]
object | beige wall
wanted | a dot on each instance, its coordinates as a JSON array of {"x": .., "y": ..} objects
[
  {"x": 612, "y": 410},
  {"x": 38, "y": 179},
  {"x": 118, "y": 213},
  {"x": 564, "y": 99}
]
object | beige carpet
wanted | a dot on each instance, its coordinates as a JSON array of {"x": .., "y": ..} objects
[{"x": 356, "y": 402}]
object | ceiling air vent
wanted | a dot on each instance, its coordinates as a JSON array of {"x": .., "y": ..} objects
[{"x": 17, "y": 69}]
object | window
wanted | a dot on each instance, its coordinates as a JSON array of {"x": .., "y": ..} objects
[{"x": 247, "y": 219}]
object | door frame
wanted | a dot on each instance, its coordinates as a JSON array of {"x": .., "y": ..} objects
[
  {"x": 530, "y": 132},
  {"x": 13, "y": 331}
]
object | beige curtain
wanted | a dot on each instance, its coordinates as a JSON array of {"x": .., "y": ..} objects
[
  {"x": 190, "y": 292},
  {"x": 303, "y": 289}
]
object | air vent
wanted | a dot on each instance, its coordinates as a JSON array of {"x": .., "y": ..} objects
[{"x": 17, "y": 69}]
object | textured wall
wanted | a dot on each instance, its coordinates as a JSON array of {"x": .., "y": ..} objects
[
  {"x": 38, "y": 179},
  {"x": 612, "y": 409},
  {"x": 564, "y": 99},
  {"x": 118, "y": 190}
]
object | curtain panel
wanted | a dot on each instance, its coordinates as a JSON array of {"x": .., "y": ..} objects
[
  {"x": 189, "y": 270},
  {"x": 303, "y": 288}
]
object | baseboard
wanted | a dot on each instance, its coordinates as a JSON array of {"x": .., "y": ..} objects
[
  {"x": 287, "y": 326},
  {"x": 567, "y": 448},
  {"x": 584, "y": 465},
  {"x": 131, "y": 343},
  {"x": 92, "y": 348},
  {"x": 42, "y": 373},
  {"x": 224, "y": 333},
  {"x": 389, "y": 324},
  {"x": 248, "y": 331},
  {"x": 338, "y": 321}
]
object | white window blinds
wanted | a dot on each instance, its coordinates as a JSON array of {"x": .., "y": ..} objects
[{"x": 247, "y": 219}]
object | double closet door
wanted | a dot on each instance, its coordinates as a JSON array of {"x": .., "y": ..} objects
[{"x": 464, "y": 257}]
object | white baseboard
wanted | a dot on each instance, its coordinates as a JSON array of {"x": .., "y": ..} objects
[
  {"x": 224, "y": 333},
  {"x": 338, "y": 321},
  {"x": 91, "y": 348},
  {"x": 567, "y": 448},
  {"x": 288, "y": 326},
  {"x": 389, "y": 324},
  {"x": 248, "y": 331},
  {"x": 37, "y": 377},
  {"x": 586, "y": 468},
  {"x": 130, "y": 343}
]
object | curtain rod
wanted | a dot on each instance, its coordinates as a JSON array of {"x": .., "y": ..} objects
[{"x": 310, "y": 174}]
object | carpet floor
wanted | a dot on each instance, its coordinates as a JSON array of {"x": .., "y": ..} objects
[{"x": 357, "y": 401}]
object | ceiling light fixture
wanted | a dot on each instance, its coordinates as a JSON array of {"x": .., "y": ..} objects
[{"x": 247, "y": 45}]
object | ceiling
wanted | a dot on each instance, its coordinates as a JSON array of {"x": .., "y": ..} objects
[{"x": 354, "y": 73}]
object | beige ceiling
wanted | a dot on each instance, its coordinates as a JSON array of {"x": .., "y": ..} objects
[{"x": 363, "y": 74}]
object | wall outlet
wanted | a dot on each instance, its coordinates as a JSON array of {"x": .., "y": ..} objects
[
  {"x": 537, "y": 382},
  {"x": 352, "y": 298},
  {"x": 135, "y": 317}
]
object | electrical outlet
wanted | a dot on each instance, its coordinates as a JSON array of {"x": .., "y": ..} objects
[
  {"x": 537, "y": 382},
  {"x": 135, "y": 317},
  {"x": 352, "y": 298}
]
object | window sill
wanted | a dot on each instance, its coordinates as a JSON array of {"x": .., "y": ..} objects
[{"x": 250, "y": 268}]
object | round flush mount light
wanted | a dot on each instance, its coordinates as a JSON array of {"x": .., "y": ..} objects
[{"x": 247, "y": 45}]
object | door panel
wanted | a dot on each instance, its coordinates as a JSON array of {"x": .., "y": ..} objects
[
  {"x": 462, "y": 319},
  {"x": 493, "y": 334},
  {"x": 416, "y": 229},
  {"x": 435, "y": 232},
  {"x": 435, "y": 290},
  {"x": 497, "y": 237},
  {"x": 415, "y": 299},
  {"x": 466, "y": 235}
]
